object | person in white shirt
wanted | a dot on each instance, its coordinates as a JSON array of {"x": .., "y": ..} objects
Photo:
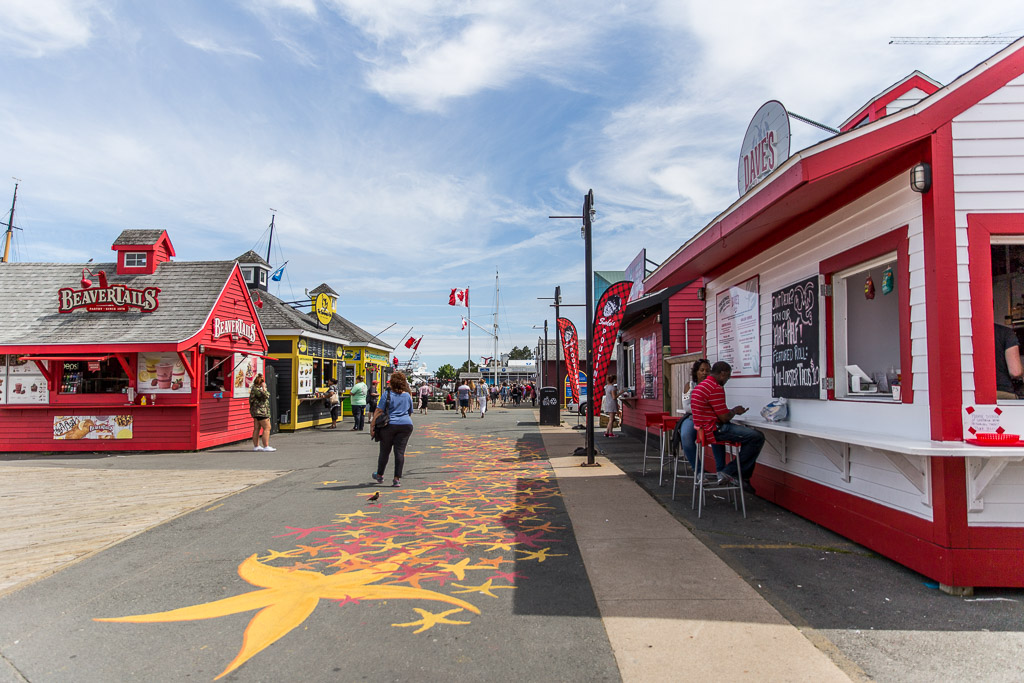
[
  {"x": 463, "y": 392},
  {"x": 482, "y": 393}
]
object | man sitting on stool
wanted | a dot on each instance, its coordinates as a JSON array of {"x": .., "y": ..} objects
[{"x": 710, "y": 413}]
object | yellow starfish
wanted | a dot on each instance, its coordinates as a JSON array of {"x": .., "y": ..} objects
[
  {"x": 430, "y": 620},
  {"x": 539, "y": 555},
  {"x": 484, "y": 588},
  {"x": 289, "y": 596}
]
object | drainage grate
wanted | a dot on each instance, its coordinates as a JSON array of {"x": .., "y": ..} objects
[{"x": 524, "y": 424}]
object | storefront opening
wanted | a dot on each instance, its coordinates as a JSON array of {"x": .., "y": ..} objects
[
  {"x": 93, "y": 377},
  {"x": 1008, "y": 311}
]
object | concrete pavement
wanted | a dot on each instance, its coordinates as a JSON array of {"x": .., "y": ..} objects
[{"x": 667, "y": 607}]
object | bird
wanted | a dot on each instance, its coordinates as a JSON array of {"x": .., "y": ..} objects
[{"x": 374, "y": 497}]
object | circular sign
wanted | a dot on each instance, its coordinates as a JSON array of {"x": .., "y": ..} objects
[
  {"x": 302, "y": 345},
  {"x": 322, "y": 307},
  {"x": 765, "y": 145}
]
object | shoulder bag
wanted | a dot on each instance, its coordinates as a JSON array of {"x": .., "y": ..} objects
[{"x": 384, "y": 419}]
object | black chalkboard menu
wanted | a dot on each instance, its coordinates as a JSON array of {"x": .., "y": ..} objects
[{"x": 796, "y": 359}]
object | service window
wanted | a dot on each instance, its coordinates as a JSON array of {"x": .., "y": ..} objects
[
  {"x": 93, "y": 377},
  {"x": 627, "y": 372},
  {"x": 329, "y": 377},
  {"x": 866, "y": 319},
  {"x": 318, "y": 373},
  {"x": 1008, "y": 311},
  {"x": 216, "y": 371},
  {"x": 350, "y": 377}
]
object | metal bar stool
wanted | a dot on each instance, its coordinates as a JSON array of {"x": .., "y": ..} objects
[
  {"x": 651, "y": 421},
  {"x": 704, "y": 441},
  {"x": 668, "y": 425}
]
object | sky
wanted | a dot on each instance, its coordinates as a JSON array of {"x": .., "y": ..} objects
[{"x": 413, "y": 146}]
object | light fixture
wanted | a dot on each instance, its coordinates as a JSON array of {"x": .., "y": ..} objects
[
  {"x": 259, "y": 301},
  {"x": 702, "y": 293},
  {"x": 87, "y": 283},
  {"x": 921, "y": 178}
]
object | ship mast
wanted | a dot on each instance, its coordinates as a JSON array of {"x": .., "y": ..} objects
[
  {"x": 10, "y": 226},
  {"x": 495, "y": 362}
]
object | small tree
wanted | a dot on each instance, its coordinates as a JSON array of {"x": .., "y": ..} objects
[
  {"x": 469, "y": 366},
  {"x": 445, "y": 372},
  {"x": 520, "y": 353}
]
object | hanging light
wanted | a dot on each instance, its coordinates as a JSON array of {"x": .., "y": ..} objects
[{"x": 86, "y": 282}]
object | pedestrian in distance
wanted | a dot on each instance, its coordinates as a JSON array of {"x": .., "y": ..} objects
[
  {"x": 610, "y": 404},
  {"x": 533, "y": 394},
  {"x": 334, "y": 403},
  {"x": 371, "y": 397},
  {"x": 397, "y": 402},
  {"x": 482, "y": 393},
  {"x": 463, "y": 393},
  {"x": 259, "y": 409},
  {"x": 357, "y": 399},
  {"x": 425, "y": 392}
]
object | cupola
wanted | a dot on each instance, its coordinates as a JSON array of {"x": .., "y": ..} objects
[
  {"x": 255, "y": 270},
  {"x": 139, "y": 252}
]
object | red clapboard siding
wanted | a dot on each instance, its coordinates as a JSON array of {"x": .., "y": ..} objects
[
  {"x": 633, "y": 411},
  {"x": 234, "y": 304},
  {"x": 154, "y": 428},
  {"x": 686, "y": 337},
  {"x": 223, "y": 420}
]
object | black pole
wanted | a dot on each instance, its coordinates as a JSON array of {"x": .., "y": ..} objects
[
  {"x": 588, "y": 206},
  {"x": 558, "y": 348},
  {"x": 271, "y": 240},
  {"x": 544, "y": 373}
]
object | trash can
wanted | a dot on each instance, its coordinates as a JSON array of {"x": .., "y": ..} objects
[{"x": 549, "y": 414}]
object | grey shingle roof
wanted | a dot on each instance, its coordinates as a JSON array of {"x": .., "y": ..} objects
[
  {"x": 252, "y": 257},
  {"x": 138, "y": 237},
  {"x": 354, "y": 333},
  {"x": 326, "y": 288},
  {"x": 28, "y": 292},
  {"x": 277, "y": 315}
]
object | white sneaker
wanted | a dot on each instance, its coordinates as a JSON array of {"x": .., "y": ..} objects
[
  {"x": 257, "y": 448},
  {"x": 269, "y": 448}
]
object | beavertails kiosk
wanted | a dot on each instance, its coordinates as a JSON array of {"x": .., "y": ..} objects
[
  {"x": 142, "y": 354},
  {"x": 307, "y": 351},
  {"x": 861, "y": 279}
]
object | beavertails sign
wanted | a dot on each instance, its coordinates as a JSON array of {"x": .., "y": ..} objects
[
  {"x": 765, "y": 145},
  {"x": 109, "y": 298}
]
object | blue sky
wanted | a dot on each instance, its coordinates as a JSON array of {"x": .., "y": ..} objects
[{"x": 418, "y": 145}]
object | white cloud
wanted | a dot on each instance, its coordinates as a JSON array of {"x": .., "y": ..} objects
[
  {"x": 208, "y": 45},
  {"x": 36, "y": 28}
]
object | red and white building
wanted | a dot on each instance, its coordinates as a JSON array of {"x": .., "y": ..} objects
[
  {"x": 142, "y": 354},
  {"x": 898, "y": 284}
]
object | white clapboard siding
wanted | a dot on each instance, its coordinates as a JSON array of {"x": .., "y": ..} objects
[
  {"x": 873, "y": 477},
  {"x": 907, "y": 99},
  {"x": 988, "y": 174}
]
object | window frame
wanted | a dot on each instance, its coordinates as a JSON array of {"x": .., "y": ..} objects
[
  {"x": 981, "y": 228},
  {"x": 135, "y": 255},
  {"x": 850, "y": 261}
]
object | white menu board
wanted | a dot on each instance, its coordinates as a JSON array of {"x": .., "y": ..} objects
[
  {"x": 22, "y": 382},
  {"x": 245, "y": 370},
  {"x": 163, "y": 373},
  {"x": 738, "y": 327},
  {"x": 305, "y": 377}
]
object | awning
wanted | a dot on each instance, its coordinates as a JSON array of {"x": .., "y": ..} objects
[
  {"x": 639, "y": 309},
  {"x": 92, "y": 357}
]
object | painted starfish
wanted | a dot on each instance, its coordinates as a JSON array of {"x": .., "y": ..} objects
[
  {"x": 430, "y": 620},
  {"x": 289, "y": 596}
]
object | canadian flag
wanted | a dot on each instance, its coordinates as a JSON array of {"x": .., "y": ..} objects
[
  {"x": 409, "y": 342},
  {"x": 459, "y": 297},
  {"x": 465, "y": 323},
  {"x": 416, "y": 346}
]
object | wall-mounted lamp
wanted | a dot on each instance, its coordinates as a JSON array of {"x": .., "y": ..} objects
[
  {"x": 702, "y": 293},
  {"x": 87, "y": 283},
  {"x": 921, "y": 178}
]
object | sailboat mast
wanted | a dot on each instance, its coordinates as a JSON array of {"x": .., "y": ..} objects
[
  {"x": 271, "y": 240},
  {"x": 496, "y": 361},
  {"x": 10, "y": 228}
]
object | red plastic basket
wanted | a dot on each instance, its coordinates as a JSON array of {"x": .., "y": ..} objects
[{"x": 992, "y": 437}]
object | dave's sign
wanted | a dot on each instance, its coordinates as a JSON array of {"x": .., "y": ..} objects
[
  {"x": 236, "y": 328},
  {"x": 110, "y": 298},
  {"x": 765, "y": 145}
]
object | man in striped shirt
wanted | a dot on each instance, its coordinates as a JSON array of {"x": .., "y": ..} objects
[{"x": 710, "y": 413}]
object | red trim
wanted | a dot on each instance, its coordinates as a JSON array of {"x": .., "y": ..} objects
[
  {"x": 63, "y": 358},
  {"x": 188, "y": 367},
  {"x": 973, "y": 556},
  {"x": 859, "y": 148},
  {"x": 980, "y": 228},
  {"x": 127, "y": 367},
  {"x": 894, "y": 240},
  {"x": 945, "y": 397},
  {"x": 875, "y": 109},
  {"x": 253, "y": 315}
]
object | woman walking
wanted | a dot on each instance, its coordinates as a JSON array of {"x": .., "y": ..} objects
[
  {"x": 610, "y": 404},
  {"x": 397, "y": 404},
  {"x": 259, "y": 409},
  {"x": 482, "y": 393}
]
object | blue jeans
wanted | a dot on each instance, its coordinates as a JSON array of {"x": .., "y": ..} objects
[
  {"x": 687, "y": 434},
  {"x": 751, "y": 441}
]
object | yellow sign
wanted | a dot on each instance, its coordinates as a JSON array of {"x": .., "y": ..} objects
[
  {"x": 322, "y": 307},
  {"x": 302, "y": 346}
]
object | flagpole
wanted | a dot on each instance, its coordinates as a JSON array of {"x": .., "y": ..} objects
[{"x": 469, "y": 336}]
